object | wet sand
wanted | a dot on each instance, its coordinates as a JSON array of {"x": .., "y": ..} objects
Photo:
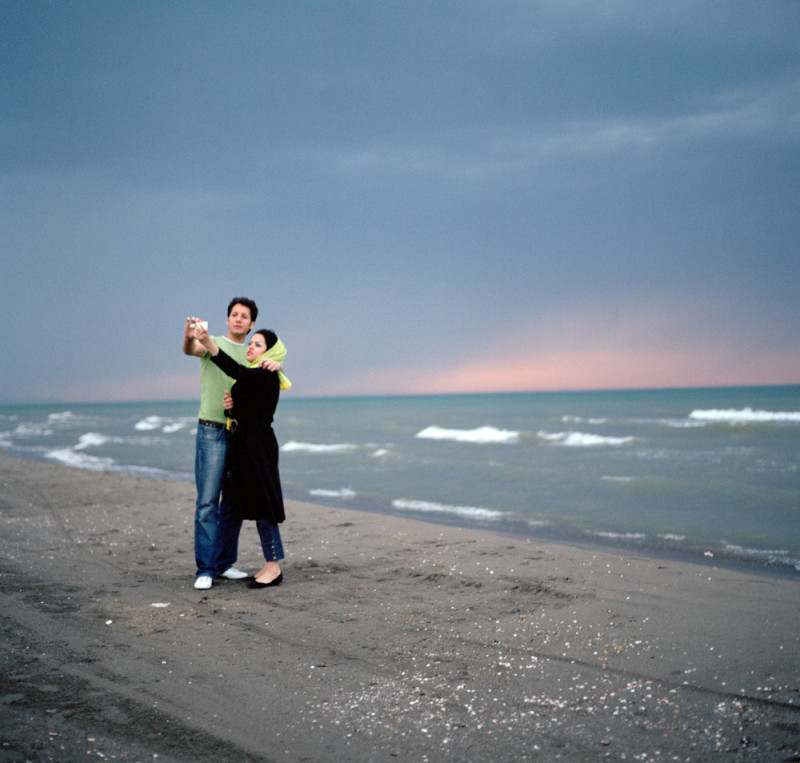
[{"x": 390, "y": 639}]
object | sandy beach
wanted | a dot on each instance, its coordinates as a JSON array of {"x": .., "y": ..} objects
[{"x": 389, "y": 640}]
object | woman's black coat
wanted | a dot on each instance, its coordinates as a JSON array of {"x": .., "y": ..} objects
[{"x": 251, "y": 471}]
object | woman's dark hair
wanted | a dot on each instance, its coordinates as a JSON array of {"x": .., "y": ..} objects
[
  {"x": 270, "y": 337},
  {"x": 248, "y": 303}
]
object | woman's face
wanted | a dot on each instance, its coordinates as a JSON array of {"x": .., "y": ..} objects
[{"x": 256, "y": 347}]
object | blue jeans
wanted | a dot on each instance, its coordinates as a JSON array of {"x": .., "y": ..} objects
[
  {"x": 271, "y": 544},
  {"x": 216, "y": 530}
]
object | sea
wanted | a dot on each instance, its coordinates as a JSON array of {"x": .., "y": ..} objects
[{"x": 704, "y": 475}]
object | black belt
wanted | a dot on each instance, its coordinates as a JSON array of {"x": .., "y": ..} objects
[{"x": 214, "y": 424}]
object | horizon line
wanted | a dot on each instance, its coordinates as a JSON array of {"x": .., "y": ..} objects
[{"x": 388, "y": 395}]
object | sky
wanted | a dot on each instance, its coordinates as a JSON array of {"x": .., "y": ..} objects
[{"x": 422, "y": 196}]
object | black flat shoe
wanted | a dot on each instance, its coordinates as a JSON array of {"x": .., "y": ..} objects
[{"x": 253, "y": 583}]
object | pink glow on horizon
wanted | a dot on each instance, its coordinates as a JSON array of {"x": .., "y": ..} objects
[
  {"x": 184, "y": 386},
  {"x": 627, "y": 368},
  {"x": 589, "y": 369},
  {"x": 619, "y": 369}
]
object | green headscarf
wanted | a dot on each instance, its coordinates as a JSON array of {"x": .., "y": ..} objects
[{"x": 276, "y": 352}]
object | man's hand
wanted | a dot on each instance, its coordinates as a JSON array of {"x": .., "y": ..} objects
[
  {"x": 269, "y": 364},
  {"x": 227, "y": 401},
  {"x": 190, "y": 346}
]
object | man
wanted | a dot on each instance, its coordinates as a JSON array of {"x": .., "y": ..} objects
[{"x": 216, "y": 531}]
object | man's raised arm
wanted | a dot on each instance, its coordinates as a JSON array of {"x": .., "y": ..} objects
[{"x": 190, "y": 345}]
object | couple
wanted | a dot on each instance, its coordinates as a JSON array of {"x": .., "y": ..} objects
[{"x": 236, "y": 450}]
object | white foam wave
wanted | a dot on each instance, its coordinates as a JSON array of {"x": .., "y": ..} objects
[
  {"x": 313, "y": 447},
  {"x": 470, "y": 512},
  {"x": 580, "y": 420},
  {"x": 621, "y": 536},
  {"x": 149, "y": 423},
  {"x": 683, "y": 423},
  {"x": 69, "y": 457},
  {"x": 755, "y": 552},
  {"x": 613, "y": 478},
  {"x": 166, "y": 424},
  {"x": 380, "y": 453},
  {"x": 481, "y": 435},
  {"x": 98, "y": 440},
  {"x": 536, "y": 523},
  {"x": 583, "y": 439},
  {"x": 345, "y": 493},
  {"x": 32, "y": 429},
  {"x": 58, "y": 418},
  {"x": 91, "y": 439},
  {"x": 744, "y": 415}
]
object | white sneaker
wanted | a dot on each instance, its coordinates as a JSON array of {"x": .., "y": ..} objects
[
  {"x": 202, "y": 582},
  {"x": 233, "y": 574}
]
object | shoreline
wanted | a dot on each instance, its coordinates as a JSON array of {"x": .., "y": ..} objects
[
  {"x": 746, "y": 564},
  {"x": 391, "y": 638},
  {"x": 524, "y": 532}
]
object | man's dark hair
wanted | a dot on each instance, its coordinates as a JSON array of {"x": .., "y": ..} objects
[{"x": 247, "y": 303}]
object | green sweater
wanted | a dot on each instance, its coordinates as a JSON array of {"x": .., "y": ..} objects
[{"x": 213, "y": 382}]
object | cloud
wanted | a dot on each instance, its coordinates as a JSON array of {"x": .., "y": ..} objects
[{"x": 423, "y": 197}]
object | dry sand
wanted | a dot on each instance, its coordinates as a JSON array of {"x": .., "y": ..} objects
[{"x": 389, "y": 640}]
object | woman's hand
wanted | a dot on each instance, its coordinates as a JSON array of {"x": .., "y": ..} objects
[
  {"x": 201, "y": 335},
  {"x": 227, "y": 401}
]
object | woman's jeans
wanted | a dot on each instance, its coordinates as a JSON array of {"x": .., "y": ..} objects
[
  {"x": 216, "y": 531},
  {"x": 271, "y": 543}
]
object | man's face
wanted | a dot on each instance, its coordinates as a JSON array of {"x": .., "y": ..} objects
[{"x": 239, "y": 321}]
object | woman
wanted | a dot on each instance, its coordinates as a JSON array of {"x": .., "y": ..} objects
[{"x": 251, "y": 473}]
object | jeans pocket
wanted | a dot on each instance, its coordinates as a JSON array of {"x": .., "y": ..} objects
[{"x": 209, "y": 434}]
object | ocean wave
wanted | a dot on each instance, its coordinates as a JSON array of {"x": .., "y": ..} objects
[
  {"x": 767, "y": 556},
  {"x": 537, "y": 523},
  {"x": 147, "y": 424},
  {"x": 345, "y": 493},
  {"x": 97, "y": 440},
  {"x": 481, "y": 435},
  {"x": 91, "y": 439},
  {"x": 582, "y": 439},
  {"x": 59, "y": 418},
  {"x": 469, "y": 512},
  {"x": 313, "y": 447},
  {"x": 582, "y": 420},
  {"x": 69, "y": 457},
  {"x": 619, "y": 536},
  {"x": 166, "y": 424},
  {"x": 770, "y": 554},
  {"x": 33, "y": 429},
  {"x": 744, "y": 416}
]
